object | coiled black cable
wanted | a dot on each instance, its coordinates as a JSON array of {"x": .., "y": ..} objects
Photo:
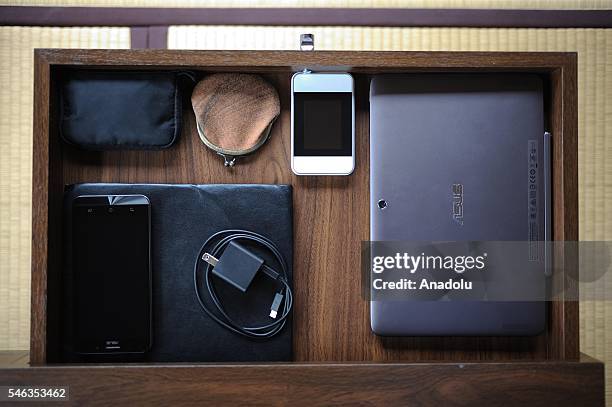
[{"x": 215, "y": 245}]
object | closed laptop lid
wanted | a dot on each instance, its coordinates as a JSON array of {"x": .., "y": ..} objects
[{"x": 450, "y": 156}]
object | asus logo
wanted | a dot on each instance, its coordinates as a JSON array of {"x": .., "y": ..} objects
[{"x": 458, "y": 203}]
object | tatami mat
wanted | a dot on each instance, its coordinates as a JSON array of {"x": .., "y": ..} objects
[
  {"x": 499, "y": 4},
  {"x": 595, "y": 128},
  {"x": 16, "y": 88}
]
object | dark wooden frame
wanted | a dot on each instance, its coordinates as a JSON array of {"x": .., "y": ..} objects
[
  {"x": 322, "y": 331},
  {"x": 368, "y": 17},
  {"x": 571, "y": 384}
]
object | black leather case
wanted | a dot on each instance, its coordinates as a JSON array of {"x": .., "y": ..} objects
[{"x": 182, "y": 218}]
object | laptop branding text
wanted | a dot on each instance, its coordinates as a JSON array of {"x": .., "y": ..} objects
[{"x": 457, "y": 202}]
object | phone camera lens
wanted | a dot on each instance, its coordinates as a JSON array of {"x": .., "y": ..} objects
[
  {"x": 111, "y": 210},
  {"x": 382, "y": 204}
]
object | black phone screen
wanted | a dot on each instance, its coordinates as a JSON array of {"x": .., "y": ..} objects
[{"x": 111, "y": 275}]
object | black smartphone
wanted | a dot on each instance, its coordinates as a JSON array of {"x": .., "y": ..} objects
[{"x": 111, "y": 274}]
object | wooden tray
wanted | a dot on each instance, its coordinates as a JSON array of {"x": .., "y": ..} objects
[{"x": 331, "y": 217}]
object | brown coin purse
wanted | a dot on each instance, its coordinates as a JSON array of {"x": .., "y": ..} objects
[{"x": 234, "y": 113}]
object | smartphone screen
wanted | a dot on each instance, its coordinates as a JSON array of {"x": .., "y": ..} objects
[{"x": 111, "y": 274}]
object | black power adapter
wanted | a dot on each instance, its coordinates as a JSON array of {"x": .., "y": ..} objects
[
  {"x": 234, "y": 263},
  {"x": 237, "y": 265}
]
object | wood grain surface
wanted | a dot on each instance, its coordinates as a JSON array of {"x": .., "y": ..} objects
[
  {"x": 292, "y": 61},
  {"x": 558, "y": 384},
  {"x": 40, "y": 211},
  {"x": 331, "y": 214}
]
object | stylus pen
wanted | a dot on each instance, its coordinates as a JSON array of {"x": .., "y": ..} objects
[{"x": 547, "y": 204}]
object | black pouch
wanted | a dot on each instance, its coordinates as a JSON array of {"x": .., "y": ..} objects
[{"x": 120, "y": 110}]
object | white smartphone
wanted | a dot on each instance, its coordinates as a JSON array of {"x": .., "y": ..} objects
[{"x": 322, "y": 123}]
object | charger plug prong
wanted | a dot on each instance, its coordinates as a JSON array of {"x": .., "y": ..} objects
[{"x": 210, "y": 259}]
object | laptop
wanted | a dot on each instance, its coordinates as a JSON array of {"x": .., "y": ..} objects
[{"x": 449, "y": 161}]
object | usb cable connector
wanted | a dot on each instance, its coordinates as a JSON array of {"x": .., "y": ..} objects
[{"x": 278, "y": 300}]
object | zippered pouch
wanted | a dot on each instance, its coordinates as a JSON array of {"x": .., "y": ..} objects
[{"x": 120, "y": 110}]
